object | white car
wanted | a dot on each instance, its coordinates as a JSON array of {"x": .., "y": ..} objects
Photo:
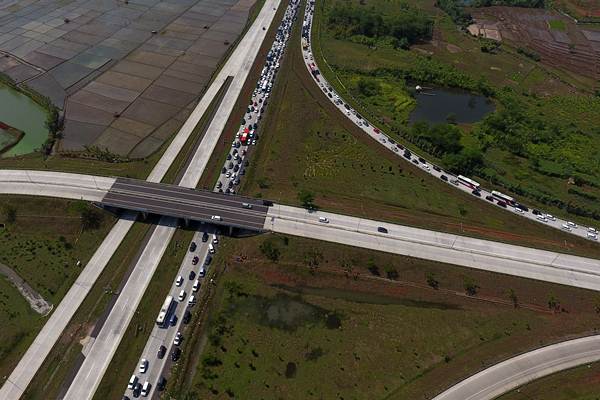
[
  {"x": 181, "y": 295},
  {"x": 572, "y": 224},
  {"x": 216, "y": 218},
  {"x": 192, "y": 300},
  {"x": 179, "y": 281},
  {"x": 592, "y": 230},
  {"x": 178, "y": 339},
  {"x": 542, "y": 218},
  {"x": 143, "y": 366},
  {"x": 550, "y": 217},
  {"x": 518, "y": 210},
  {"x": 323, "y": 220},
  {"x": 566, "y": 227},
  {"x": 592, "y": 236}
]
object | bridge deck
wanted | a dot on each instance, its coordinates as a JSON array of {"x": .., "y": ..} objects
[{"x": 181, "y": 202}]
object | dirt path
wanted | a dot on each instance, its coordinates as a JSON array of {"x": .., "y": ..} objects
[{"x": 35, "y": 300}]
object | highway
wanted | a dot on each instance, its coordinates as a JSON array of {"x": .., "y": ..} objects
[
  {"x": 417, "y": 160},
  {"x": 437, "y": 246},
  {"x": 179, "y": 202},
  {"x": 85, "y": 383},
  {"x": 238, "y": 65},
  {"x": 514, "y": 372}
]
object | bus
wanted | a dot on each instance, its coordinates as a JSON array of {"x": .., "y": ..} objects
[
  {"x": 165, "y": 310},
  {"x": 503, "y": 197},
  {"x": 468, "y": 182}
]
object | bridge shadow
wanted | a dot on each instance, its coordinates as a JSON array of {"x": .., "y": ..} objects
[{"x": 192, "y": 226}]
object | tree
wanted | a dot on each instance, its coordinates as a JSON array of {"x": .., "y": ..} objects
[
  {"x": 471, "y": 288},
  {"x": 307, "y": 199},
  {"x": 90, "y": 218},
  {"x": 431, "y": 281},
  {"x": 9, "y": 213},
  {"x": 270, "y": 251},
  {"x": 513, "y": 297},
  {"x": 312, "y": 258},
  {"x": 553, "y": 303}
]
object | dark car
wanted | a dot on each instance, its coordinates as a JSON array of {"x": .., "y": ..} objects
[
  {"x": 421, "y": 159},
  {"x": 208, "y": 260},
  {"x": 501, "y": 204},
  {"x": 187, "y": 317},
  {"x": 192, "y": 275},
  {"x": 436, "y": 168},
  {"x": 125, "y": 398},
  {"x": 137, "y": 390},
  {"x": 195, "y": 260},
  {"x": 522, "y": 207},
  {"x": 381, "y": 229},
  {"x": 175, "y": 354},
  {"x": 489, "y": 198},
  {"x": 173, "y": 320},
  {"x": 162, "y": 383},
  {"x": 536, "y": 212},
  {"x": 193, "y": 246},
  {"x": 415, "y": 161},
  {"x": 444, "y": 178},
  {"x": 236, "y": 168},
  {"x": 204, "y": 237},
  {"x": 407, "y": 154},
  {"x": 162, "y": 350},
  {"x": 224, "y": 170},
  {"x": 229, "y": 156},
  {"x": 476, "y": 193}
]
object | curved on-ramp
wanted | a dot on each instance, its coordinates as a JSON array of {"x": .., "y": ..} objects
[{"x": 514, "y": 372}]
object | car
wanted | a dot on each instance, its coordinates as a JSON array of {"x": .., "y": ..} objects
[
  {"x": 187, "y": 317},
  {"x": 216, "y": 218},
  {"x": 542, "y": 218},
  {"x": 566, "y": 227},
  {"x": 196, "y": 286},
  {"x": 407, "y": 154},
  {"x": 415, "y": 161},
  {"x": 202, "y": 272},
  {"x": 501, "y": 204},
  {"x": 572, "y": 224},
  {"x": 125, "y": 398},
  {"x": 143, "y": 366},
  {"x": 323, "y": 220},
  {"x": 376, "y": 130},
  {"x": 522, "y": 207},
  {"x": 536, "y": 212},
  {"x": 489, "y": 198},
  {"x": 132, "y": 382},
  {"x": 204, "y": 237},
  {"x": 436, "y": 168},
  {"x": 181, "y": 296},
  {"x": 162, "y": 350},
  {"x": 592, "y": 230},
  {"x": 173, "y": 320},
  {"x": 444, "y": 178},
  {"x": 236, "y": 168},
  {"x": 223, "y": 170},
  {"x": 137, "y": 390},
  {"x": 230, "y": 165},
  {"x": 195, "y": 260},
  {"x": 179, "y": 281},
  {"x": 425, "y": 166},
  {"x": 192, "y": 275},
  {"x": 518, "y": 210},
  {"x": 592, "y": 236},
  {"x": 228, "y": 156},
  {"x": 228, "y": 174},
  {"x": 381, "y": 229},
  {"x": 191, "y": 300},
  {"x": 550, "y": 217},
  {"x": 476, "y": 193},
  {"x": 422, "y": 160},
  {"x": 146, "y": 389},
  {"x": 178, "y": 339},
  {"x": 175, "y": 354},
  {"x": 208, "y": 259},
  {"x": 161, "y": 384},
  {"x": 215, "y": 239},
  {"x": 193, "y": 246}
]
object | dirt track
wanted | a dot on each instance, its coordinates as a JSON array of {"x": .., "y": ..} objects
[{"x": 35, "y": 300}]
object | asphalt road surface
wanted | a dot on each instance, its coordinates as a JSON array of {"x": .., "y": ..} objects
[
  {"x": 420, "y": 162},
  {"x": 514, "y": 372},
  {"x": 437, "y": 246},
  {"x": 180, "y": 202}
]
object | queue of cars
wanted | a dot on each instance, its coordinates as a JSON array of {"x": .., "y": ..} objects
[
  {"x": 459, "y": 181},
  {"x": 247, "y": 135},
  {"x": 229, "y": 179}
]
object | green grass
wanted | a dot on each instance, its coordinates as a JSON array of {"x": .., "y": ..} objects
[
  {"x": 545, "y": 94},
  {"x": 19, "y": 325},
  {"x": 557, "y": 25},
  {"x": 370, "y": 336},
  {"x": 128, "y": 353},
  {"x": 311, "y": 146},
  {"x": 579, "y": 383}
]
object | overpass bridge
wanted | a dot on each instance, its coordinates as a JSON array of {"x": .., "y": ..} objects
[{"x": 187, "y": 204}]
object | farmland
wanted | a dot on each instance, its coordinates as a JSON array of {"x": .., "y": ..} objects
[
  {"x": 539, "y": 144},
  {"x": 358, "y": 317}
]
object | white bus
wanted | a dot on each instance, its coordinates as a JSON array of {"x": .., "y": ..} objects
[
  {"x": 468, "y": 182},
  {"x": 165, "y": 310},
  {"x": 501, "y": 196}
]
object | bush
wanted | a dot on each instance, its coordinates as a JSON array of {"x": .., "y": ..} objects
[{"x": 270, "y": 250}]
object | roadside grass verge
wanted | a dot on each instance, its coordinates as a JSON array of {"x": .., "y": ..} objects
[
  {"x": 368, "y": 318},
  {"x": 309, "y": 145}
]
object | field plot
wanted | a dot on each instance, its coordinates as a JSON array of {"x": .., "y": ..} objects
[
  {"x": 126, "y": 74},
  {"x": 291, "y": 311},
  {"x": 560, "y": 42}
]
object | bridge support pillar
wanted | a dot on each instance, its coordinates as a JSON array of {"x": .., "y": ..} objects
[
  {"x": 144, "y": 215},
  {"x": 230, "y": 229},
  {"x": 186, "y": 222}
]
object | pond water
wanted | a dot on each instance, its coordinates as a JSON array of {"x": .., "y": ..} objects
[
  {"x": 19, "y": 111},
  {"x": 435, "y": 104}
]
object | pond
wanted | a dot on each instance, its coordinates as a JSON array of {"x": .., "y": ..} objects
[
  {"x": 434, "y": 105},
  {"x": 19, "y": 111}
]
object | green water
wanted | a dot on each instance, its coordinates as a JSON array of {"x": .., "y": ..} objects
[{"x": 21, "y": 112}]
